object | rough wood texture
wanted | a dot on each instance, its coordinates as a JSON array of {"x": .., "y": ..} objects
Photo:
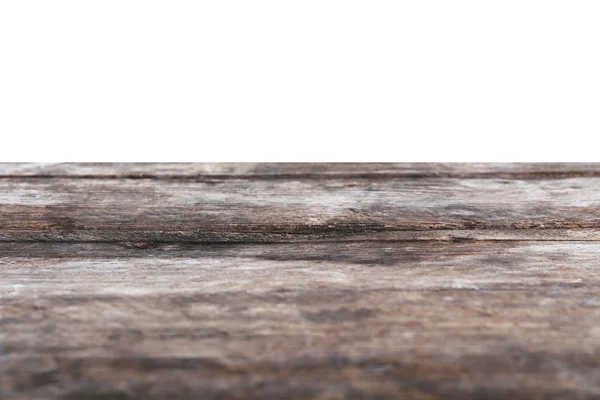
[{"x": 283, "y": 281}]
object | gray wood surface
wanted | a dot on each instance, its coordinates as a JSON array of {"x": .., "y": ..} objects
[{"x": 283, "y": 281}]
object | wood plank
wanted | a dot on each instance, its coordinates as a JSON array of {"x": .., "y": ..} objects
[
  {"x": 257, "y": 171},
  {"x": 315, "y": 320},
  {"x": 298, "y": 209},
  {"x": 308, "y": 281}
]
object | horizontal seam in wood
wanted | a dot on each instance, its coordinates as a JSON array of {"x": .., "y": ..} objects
[
  {"x": 320, "y": 176},
  {"x": 148, "y": 244}
]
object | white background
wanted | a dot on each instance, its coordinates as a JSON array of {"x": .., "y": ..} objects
[{"x": 119, "y": 80}]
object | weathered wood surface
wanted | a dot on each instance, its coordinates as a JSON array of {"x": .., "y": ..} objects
[
  {"x": 358, "y": 281},
  {"x": 254, "y": 171},
  {"x": 67, "y": 208}
]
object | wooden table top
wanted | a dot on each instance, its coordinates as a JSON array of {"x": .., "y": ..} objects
[{"x": 299, "y": 281}]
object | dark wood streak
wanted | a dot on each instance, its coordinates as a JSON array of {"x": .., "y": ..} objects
[{"x": 299, "y": 281}]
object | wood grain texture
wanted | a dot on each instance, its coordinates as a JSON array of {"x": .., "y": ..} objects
[
  {"x": 270, "y": 210},
  {"x": 277, "y": 171},
  {"x": 284, "y": 281}
]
